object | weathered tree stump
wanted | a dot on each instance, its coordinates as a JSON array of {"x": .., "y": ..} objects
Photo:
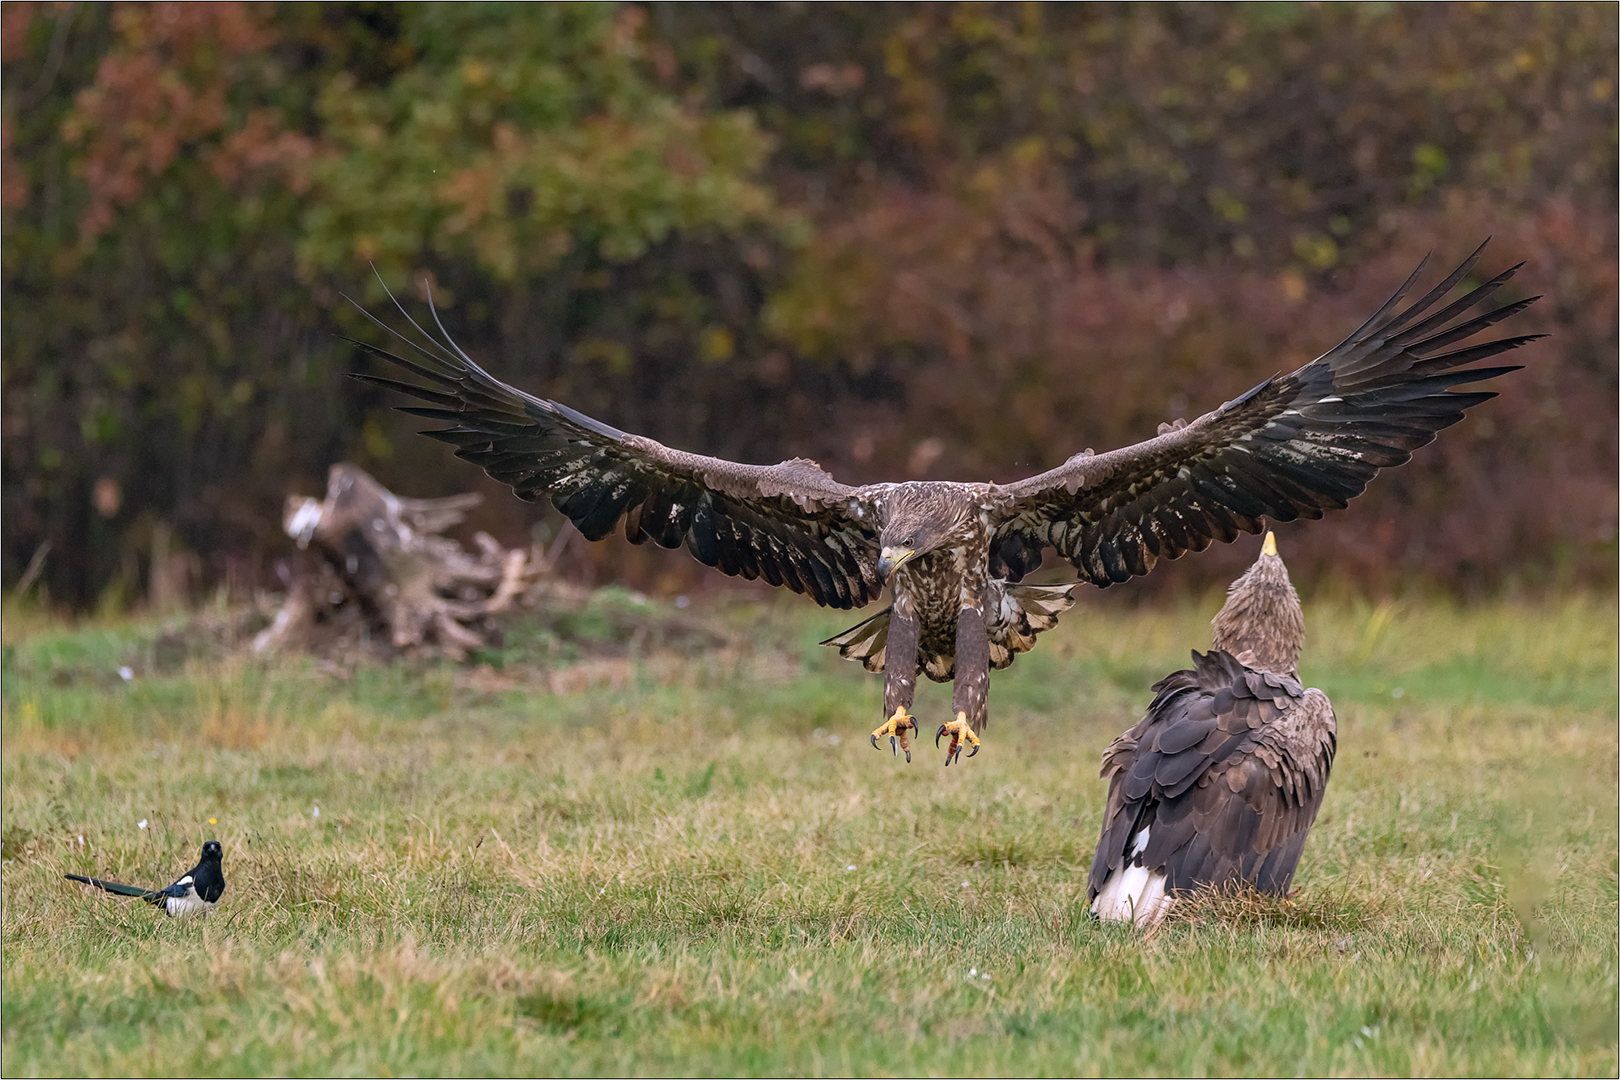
[{"x": 372, "y": 566}]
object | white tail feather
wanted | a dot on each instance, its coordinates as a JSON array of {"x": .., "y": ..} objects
[{"x": 1132, "y": 893}]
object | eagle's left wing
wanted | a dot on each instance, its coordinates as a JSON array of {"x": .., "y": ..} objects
[
  {"x": 1219, "y": 781},
  {"x": 790, "y": 523},
  {"x": 1292, "y": 447}
]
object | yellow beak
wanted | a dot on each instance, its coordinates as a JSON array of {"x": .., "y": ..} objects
[
  {"x": 1271, "y": 544},
  {"x": 891, "y": 559}
]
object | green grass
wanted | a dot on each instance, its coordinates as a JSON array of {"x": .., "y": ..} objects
[{"x": 641, "y": 864}]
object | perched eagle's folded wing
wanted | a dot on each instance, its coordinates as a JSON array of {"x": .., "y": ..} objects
[
  {"x": 1292, "y": 447},
  {"x": 1226, "y": 773},
  {"x": 791, "y": 523}
]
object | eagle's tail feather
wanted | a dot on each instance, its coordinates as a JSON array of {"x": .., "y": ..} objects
[
  {"x": 119, "y": 890},
  {"x": 1044, "y": 602},
  {"x": 1015, "y": 614},
  {"x": 865, "y": 641},
  {"x": 1024, "y": 611}
]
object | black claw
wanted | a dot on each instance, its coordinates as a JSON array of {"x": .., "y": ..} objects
[
  {"x": 908, "y": 757},
  {"x": 975, "y": 752},
  {"x": 937, "y": 735},
  {"x": 894, "y": 747},
  {"x": 874, "y": 741}
]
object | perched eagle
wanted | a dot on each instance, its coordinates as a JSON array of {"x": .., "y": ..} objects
[
  {"x": 954, "y": 554},
  {"x": 1220, "y": 781}
]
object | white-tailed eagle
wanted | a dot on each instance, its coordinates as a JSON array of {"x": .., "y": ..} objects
[
  {"x": 1219, "y": 783},
  {"x": 955, "y": 554}
]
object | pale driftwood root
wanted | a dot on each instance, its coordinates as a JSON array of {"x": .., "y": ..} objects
[{"x": 376, "y": 570}]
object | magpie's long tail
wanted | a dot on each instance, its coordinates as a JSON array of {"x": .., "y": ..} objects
[{"x": 119, "y": 890}]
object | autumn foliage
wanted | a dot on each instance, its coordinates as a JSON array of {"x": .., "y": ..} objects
[{"x": 908, "y": 240}]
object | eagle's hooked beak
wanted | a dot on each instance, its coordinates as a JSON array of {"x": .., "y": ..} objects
[
  {"x": 1271, "y": 544},
  {"x": 891, "y": 559}
]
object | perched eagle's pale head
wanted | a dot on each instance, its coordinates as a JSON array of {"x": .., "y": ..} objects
[
  {"x": 1261, "y": 622},
  {"x": 917, "y": 518}
]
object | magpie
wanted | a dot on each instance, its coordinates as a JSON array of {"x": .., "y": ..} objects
[{"x": 195, "y": 893}]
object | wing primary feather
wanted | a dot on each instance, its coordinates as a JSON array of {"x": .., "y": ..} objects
[
  {"x": 1435, "y": 386},
  {"x": 401, "y": 309},
  {"x": 427, "y": 413},
  {"x": 446, "y": 400},
  {"x": 1472, "y": 299},
  {"x": 1439, "y": 290},
  {"x": 409, "y": 365},
  {"x": 1396, "y": 297},
  {"x": 434, "y": 308},
  {"x": 1478, "y": 352},
  {"x": 407, "y": 342}
]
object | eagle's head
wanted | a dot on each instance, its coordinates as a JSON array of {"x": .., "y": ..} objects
[
  {"x": 917, "y": 518},
  {"x": 1261, "y": 622}
]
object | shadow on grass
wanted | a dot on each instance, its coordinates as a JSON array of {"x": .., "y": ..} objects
[
  {"x": 1329, "y": 910},
  {"x": 563, "y": 1011}
]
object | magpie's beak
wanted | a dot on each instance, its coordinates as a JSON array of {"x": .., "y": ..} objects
[{"x": 891, "y": 559}]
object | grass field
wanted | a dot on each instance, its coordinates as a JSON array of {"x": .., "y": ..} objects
[{"x": 647, "y": 865}]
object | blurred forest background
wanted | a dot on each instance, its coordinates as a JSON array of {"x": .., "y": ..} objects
[{"x": 925, "y": 240}]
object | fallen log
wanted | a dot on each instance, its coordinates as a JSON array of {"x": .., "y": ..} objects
[{"x": 373, "y": 569}]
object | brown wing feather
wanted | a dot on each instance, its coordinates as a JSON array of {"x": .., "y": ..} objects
[
  {"x": 1227, "y": 770},
  {"x": 792, "y": 523},
  {"x": 1292, "y": 447}
]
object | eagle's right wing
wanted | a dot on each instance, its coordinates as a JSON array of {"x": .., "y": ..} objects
[
  {"x": 1292, "y": 447},
  {"x": 791, "y": 523}
]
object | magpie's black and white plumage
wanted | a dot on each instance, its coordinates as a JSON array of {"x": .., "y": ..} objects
[
  {"x": 1217, "y": 786},
  {"x": 954, "y": 554},
  {"x": 194, "y": 893}
]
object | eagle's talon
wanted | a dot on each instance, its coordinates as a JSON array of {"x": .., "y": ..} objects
[
  {"x": 960, "y": 733},
  {"x": 896, "y": 728}
]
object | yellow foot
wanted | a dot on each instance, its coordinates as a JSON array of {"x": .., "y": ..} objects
[
  {"x": 960, "y": 733},
  {"x": 895, "y": 727}
]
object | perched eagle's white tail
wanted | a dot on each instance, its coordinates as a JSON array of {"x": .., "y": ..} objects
[{"x": 1132, "y": 893}]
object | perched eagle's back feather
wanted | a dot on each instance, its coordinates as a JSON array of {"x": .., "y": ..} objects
[{"x": 1218, "y": 784}]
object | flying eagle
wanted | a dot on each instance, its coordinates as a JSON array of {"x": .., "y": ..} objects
[
  {"x": 1220, "y": 781},
  {"x": 955, "y": 554}
]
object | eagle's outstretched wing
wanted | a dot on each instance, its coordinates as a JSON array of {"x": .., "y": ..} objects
[
  {"x": 1292, "y": 447},
  {"x": 791, "y": 524}
]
